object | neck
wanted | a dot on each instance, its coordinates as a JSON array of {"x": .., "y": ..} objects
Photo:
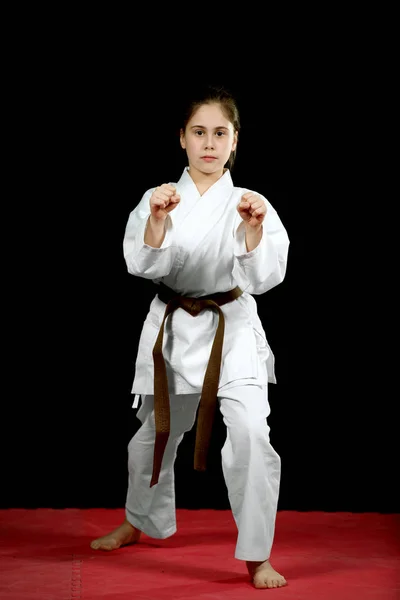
[{"x": 204, "y": 181}]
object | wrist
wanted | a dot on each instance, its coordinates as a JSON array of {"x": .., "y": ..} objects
[
  {"x": 156, "y": 223},
  {"x": 253, "y": 230}
]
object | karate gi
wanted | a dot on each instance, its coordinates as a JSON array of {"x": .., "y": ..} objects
[{"x": 204, "y": 252}]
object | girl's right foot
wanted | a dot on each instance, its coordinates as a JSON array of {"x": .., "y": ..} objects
[
  {"x": 124, "y": 535},
  {"x": 264, "y": 575}
]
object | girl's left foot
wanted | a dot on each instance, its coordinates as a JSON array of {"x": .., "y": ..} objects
[{"x": 264, "y": 575}]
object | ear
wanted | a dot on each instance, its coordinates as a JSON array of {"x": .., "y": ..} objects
[
  {"x": 235, "y": 141},
  {"x": 182, "y": 139}
]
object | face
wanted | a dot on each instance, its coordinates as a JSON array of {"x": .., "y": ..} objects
[{"x": 208, "y": 139}]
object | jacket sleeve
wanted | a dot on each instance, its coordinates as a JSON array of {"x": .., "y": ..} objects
[
  {"x": 264, "y": 267},
  {"x": 143, "y": 260}
]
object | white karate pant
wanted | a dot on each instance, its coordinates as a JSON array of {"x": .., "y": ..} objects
[{"x": 251, "y": 468}]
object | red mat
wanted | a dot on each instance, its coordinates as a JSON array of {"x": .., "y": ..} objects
[{"x": 45, "y": 555}]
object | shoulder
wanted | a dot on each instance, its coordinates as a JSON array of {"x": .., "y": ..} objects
[
  {"x": 152, "y": 189},
  {"x": 240, "y": 191}
]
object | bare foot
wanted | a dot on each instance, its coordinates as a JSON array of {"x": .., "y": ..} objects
[
  {"x": 122, "y": 536},
  {"x": 264, "y": 575}
]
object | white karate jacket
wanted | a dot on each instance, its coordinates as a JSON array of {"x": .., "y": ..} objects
[{"x": 204, "y": 252}]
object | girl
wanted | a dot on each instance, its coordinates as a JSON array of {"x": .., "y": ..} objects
[{"x": 208, "y": 246}]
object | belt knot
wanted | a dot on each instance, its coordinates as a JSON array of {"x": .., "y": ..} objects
[{"x": 193, "y": 306}]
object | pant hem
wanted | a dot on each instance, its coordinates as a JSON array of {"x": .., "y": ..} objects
[
  {"x": 149, "y": 531},
  {"x": 251, "y": 559}
]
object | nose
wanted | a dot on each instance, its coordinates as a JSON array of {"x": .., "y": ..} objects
[{"x": 209, "y": 143}]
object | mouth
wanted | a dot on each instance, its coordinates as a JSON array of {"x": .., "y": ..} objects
[{"x": 208, "y": 158}]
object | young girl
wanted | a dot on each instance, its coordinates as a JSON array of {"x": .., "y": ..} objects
[{"x": 208, "y": 246}]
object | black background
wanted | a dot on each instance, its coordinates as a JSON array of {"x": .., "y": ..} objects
[{"x": 99, "y": 130}]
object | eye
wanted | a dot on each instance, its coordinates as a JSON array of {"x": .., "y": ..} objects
[
  {"x": 198, "y": 132},
  {"x": 220, "y": 133}
]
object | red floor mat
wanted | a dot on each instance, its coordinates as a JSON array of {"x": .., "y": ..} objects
[{"x": 45, "y": 555}]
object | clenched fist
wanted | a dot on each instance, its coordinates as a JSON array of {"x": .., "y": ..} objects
[
  {"x": 252, "y": 209},
  {"x": 163, "y": 200}
]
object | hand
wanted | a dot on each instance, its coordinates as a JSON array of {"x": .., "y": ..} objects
[
  {"x": 252, "y": 209},
  {"x": 163, "y": 200}
]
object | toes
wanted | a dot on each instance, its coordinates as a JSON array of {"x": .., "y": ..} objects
[
  {"x": 97, "y": 545},
  {"x": 266, "y": 582}
]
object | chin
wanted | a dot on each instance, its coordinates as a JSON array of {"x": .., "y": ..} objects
[{"x": 210, "y": 168}]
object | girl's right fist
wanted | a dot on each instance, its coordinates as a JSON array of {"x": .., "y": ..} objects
[{"x": 163, "y": 200}]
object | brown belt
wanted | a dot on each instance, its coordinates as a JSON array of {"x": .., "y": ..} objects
[{"x": 208, "y": 398}]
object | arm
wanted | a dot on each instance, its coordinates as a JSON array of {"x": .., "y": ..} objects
[
  {"x": 261, "y": 251},
  {"x": 147, "y": 245},
  {"x": 154, "y": 233}
]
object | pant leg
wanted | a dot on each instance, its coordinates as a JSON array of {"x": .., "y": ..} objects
[
  {"x": 152, "y": 510},
  {"x": 251, "y": 469}
]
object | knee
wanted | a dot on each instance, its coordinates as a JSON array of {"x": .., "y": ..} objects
[
  {"x": 140, "y": 452},
  {"x": 248, "y": 435},
  {"x": 252, "y": 429}
]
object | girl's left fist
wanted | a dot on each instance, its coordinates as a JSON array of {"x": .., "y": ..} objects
[{"x": 252, "y": 209}]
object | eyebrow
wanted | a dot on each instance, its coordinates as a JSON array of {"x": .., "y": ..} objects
[{"x": 203, "y": 127}]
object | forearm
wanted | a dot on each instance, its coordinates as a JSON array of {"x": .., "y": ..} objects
[
  {"x": 155, "y": 233},
  {"x": 253, "y": 237}
]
